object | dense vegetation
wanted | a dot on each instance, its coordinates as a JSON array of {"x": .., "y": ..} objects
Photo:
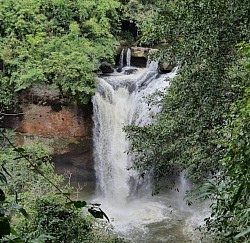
[
  {"x": 203, "y": 126},
  {"x": 204, "y": 123},
  {"x": 57, "y": 42}
]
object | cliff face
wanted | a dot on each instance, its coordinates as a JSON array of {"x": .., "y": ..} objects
[
  {"x": 66, "y": 131},
  {"x": 41, "y": 120}
]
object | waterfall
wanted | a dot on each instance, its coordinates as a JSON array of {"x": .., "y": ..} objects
[
  {"x": 121, "y": 58},
  {"x": 128, "y": 57},
  {"x": 110, "y": 143},
  {"x": 119, "y": 101}
]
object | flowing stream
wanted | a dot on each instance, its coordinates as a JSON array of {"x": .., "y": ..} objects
[{"x": 127, "y": 200}]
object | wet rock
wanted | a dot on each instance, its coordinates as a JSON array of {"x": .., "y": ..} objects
[
  {"x": 166, "y": 67},
  {"x": 119, "y": 69},
  {"x": 141, "y": 51},
  {"x": 130, "y": 71},
  {"x": 106, "y": 67}
]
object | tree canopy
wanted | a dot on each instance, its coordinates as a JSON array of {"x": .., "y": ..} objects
[
  {"x": 204, "y": 88},
  {"x": 55, "y": 42}
]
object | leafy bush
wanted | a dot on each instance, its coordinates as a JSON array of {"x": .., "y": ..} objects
[
  {"x": 64, "y": 224},
  {"x": 231, "y": 200},
  {"x": 203, "y": 90}
]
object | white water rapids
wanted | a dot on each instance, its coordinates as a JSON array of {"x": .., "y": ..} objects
[{"x": 139, "y": 217}]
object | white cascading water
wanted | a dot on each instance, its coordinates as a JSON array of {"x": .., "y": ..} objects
[
  {"x": 128, "y": 57},
  {"x": 119, "y": 101}
]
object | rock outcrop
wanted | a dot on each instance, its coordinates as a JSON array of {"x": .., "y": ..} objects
[
  {"x": 64, "y": 129},
  {"x": 140, "y": 55},
  {"x": 106, "y": 67},
  {"x": 142, "y": 51},
  {"x": 166, "y": 67}
]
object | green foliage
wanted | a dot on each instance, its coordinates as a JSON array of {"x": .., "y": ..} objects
[
  {"x": 231, "y": 198},
  {"x": 183, "y": 133},
  {"x": 64, "y": 224},
  {"x": 20, "y": 184},
  {"x": 141, "y": 14},
  {"x": 231, "y": 201},
  {"x": 23, "y": 178},
  {"x": 54, "y": 42}
]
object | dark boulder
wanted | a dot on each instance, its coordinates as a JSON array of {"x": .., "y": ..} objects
[
  {"x": 130, "y": 71},
  {"x": 106, "y": 67}
]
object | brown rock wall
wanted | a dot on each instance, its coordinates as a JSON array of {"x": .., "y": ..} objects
[
  {"x": 44, "y": 121},
  {"x": 65, "y": 130}
]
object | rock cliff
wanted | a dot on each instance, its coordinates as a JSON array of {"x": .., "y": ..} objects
[{"x": 64, "y": 129}]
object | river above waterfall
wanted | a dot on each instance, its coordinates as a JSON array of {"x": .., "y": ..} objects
[{"x": 120, "y": 100}]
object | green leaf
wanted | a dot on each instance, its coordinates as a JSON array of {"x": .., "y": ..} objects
[
  {"x": 13, "y": 232},
  {"x": 240, "y": 44},
  {"x": 98, "y": 213},
  {"x": 77, "y": 204},
  {"x": 243, "y": 233},
  {"x": 42, "y": 238},
  {"x": 237, "y": 196}
]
